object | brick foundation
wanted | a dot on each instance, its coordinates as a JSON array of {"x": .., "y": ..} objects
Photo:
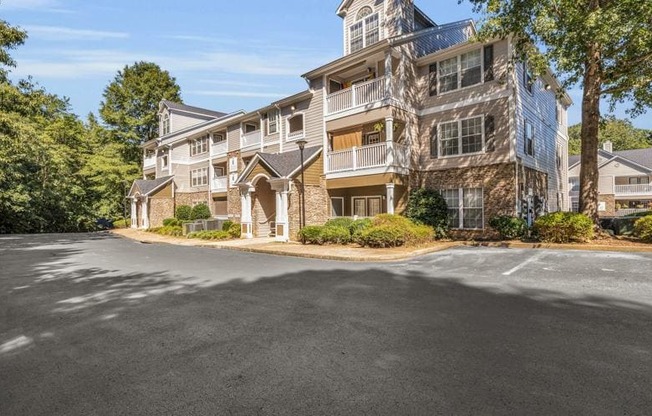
[
  {"x": 317, "y": 207},
  {"x": 160, "y": 209},
  {"x": 610, "y": 202},
  {"x": 191, "y": 198}
]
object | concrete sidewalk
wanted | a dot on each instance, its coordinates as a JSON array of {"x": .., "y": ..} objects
[{"x": 270, "y": 246}]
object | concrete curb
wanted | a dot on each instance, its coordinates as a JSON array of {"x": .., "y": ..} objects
[{"x": 551, "y": 246}]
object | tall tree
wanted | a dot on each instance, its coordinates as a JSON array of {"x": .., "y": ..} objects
[
  {"x": 606, "y": 45},
  {"x": 131, "y": 102},
  {"x": 10, "y": 38},
  {"x": 621, "y": 133}
]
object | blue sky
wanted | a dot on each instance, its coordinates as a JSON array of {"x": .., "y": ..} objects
[{"x": 225, "y": 55}]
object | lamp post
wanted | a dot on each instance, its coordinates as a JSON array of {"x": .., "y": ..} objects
[{"x": 302, "y": 223}]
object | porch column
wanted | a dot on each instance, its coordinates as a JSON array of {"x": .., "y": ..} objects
[
  {"x": 245, "y": 215},
  {"x": 389, "y": 137},
  {"x": 281, "y": 186},
  {"x": 388, "y": 74},
  {"x": 390, "y": 197},
  {"x": 145, "y": 212},
  {"x": 134, "y": 213}
]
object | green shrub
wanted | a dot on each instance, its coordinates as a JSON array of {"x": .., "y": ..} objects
[
  {"x": 173, "y": 231},
  {"x": 427, "y": 206},
  {"x": 394, "y": 231},
  {"x": 335, "y": 234},
  {"x": 210, "y": 235},
  {"x": 339, "y": 222},
  {"x": 358, "y": 225},
  {"x": 235, "y": 230},
  {"x": 200, "y": 212},
  {"x": 227, "y": 225},
  {"x": 171, "y": 222},
  {"x": 119, "y": 222},
  {"x": 643, "y": 229},
  {"x": 639, "y": 214},
  {"x": 183, "y": 212},
  {"x": 311, "y": 234},
  {"x": 564, "y": 227},
  {"x": 508, "y": 227}
]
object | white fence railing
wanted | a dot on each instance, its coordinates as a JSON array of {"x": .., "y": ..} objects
[
  {"x": 634, "y": 189},
  {"x": 357, "y": 95},
  {"x": 366, "y": 157},
  {"x": 251, "y": 139},
  {"x": 625, "y": 212},
  {"x": 220, "y": 148},
  {"x": 219, "y": 183},
  {"x": 149, "y": 162}
]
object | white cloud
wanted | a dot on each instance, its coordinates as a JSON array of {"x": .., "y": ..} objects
[
  {"x": 34, "y": 5},
  {"x": 233, "y": 83},
  {"x": 242, "y": 94},
  {"x": 59, "y": 33}
]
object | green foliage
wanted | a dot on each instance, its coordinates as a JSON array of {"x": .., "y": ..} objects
[
  {"x": 508, "y": 227},
  {"x": 639, "y": 214},
  {"x": 312, "y": 234},
  {"x": 172, "y": 222},
  {"x": 130, "y": 104},
  {"x": 394, "y": 231},
  {"x": 427, "y": 206},
  {"x": 227, "y": 225},
  {"x": 171, "y": 231},
  {"x": 336, "y": 234},
  {"x": 564, "y": 227},
  {"x": 210, "y": 235},
  {"x": 183, "y": 212},
  {"x": 340, "y": 222},
  {"x": 235, "y": 230},
  {"x": 10, "y": 38},
  {"x": 121, "y": 222},
  {"x": 643, "y": 229},
  {"x": 621, "y": 133},
  {"x": 200, "y": 212},
  {"x": 358, "y": 225}
]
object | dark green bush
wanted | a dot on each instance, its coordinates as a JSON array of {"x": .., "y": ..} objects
[
  {"x": 183, "y": 212},
  {"x": 394, "y": 231},
  {"x": 564, "y": 227},
  {"x": 508, "y": 227},
  {"x": 200, "y": 212},
  {"x": 335, "y": 234},
  {"x": 171, "y": 222},
  {"x": 227, "y": 225},
  {"x": 172, "y": 231},
  {"x": 427, "y": 206},
  {"x": 311, "y": 234},
  {"x": 643, "y": 229},
  {"x": 210, "y": 235},
  {"x": 235, "y": 230}
]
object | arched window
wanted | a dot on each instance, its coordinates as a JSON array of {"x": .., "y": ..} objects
[
  {"x": 165, "y": 124},
  {"x": 365, "y": 31},
  {"x": 295, "y": 127}
]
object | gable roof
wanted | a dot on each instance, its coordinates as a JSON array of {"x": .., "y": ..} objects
[
  {"x": 638, "y": 157},
  {"x": 283, "y": 165},
  {"x": 147, "y": 187},
  {"x": 192, "y": 109}
]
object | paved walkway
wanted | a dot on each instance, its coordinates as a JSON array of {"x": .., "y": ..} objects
[{"x": 270, "y": 246}]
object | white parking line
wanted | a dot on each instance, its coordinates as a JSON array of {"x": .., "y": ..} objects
[{"x": 532, "y": 259}]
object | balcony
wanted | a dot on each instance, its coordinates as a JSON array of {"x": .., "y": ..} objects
[
  {"x": 359, "y": 95},
  {"x": 149, "y": 162},
  {"x": 220, "y": 184},
  {"x": 219, "y": 148},
  {"x": 251, "y": 139},
  {"x": 387, "y": 154},
  {"x": 634, "y": 190}
]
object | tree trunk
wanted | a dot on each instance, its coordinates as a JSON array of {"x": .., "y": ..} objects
[{"x": 589, "y": 175}]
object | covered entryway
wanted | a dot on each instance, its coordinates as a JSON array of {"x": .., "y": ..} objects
[{"x": 264, "y": 208}]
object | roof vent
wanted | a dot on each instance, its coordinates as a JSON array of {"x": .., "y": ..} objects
[{"x": 608, "y": 146}]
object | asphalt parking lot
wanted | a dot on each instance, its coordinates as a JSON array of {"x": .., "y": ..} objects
[{"x": 92, "y": 324}]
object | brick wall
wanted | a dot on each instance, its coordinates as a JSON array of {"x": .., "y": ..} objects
[
  {"x": 160, "y": 209},
  {"x": 191, "y": 198},
  {"x": 610, "y": 201},
  {"x": 317, "y": 206}
]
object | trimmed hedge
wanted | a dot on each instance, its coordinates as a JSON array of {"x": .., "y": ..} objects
[
  {"x": 172, "y": 222},
  {"x": 428, "y": 207},
  {"x": 389, "y": 230},
  {"x": 234, "y": 230},
  {"x": 564, "y": 227},
  {"x": 183, "y": 212},
  {"x": 169, "y": 231},
  {"x": 643, "y": 229},
  {"x": 119, "y": 222},
  {"x": 311, "y": 234},
  {"x": 508, "y": 227},
  {"x": 227, "y": 225},
  {"x": 359, "y": 225},
  {"x": 200, "y": 212},
  {"x": 210, "y": 235}
]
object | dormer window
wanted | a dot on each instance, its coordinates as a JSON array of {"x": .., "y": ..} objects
[
  {"x": 165, "y": 124},
  {"x": 365, "y": 31}
]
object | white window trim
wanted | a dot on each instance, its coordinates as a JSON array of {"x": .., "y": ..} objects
[
  {"x": 250, "y": 124},
  {"x": 533, "y": 81},
  {"x": 534, "y": 139},
  {"x": 460, "y": 208},
  {"x": 303, "y": 127},
  {"x": 165, "y": 119},
  {"x": 372, "y": 133},
  {"x": 199, "y": 175},
  {"x": 341, "y": 198},
  {"x": 459, "y": 72},
  {"x": 198, "y": 141},
  {"x": 459, "y": 138},
  {"x": 366, "y": 198},
  {"x": 363, "y": 20},
  {"x": 215, "y": 135},
  {"x": 268, "y": 121},
  {"x": 165, "y": 161}
]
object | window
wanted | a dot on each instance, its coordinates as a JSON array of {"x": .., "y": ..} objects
[
  {"x": 461, "y": 137},
  {"x": 250, "y": 128},
  {"x": 272, "y": 122},
  {"x": 164, "y": 162},
  {"x": 367, "y": 206},
  {"x": 371, "y": 138},
  {"x": 218, "y": 171},
  {"x": 529, "y": 139},
  {"x": 337, "y": 207},
  {"x": 218, "y": 138},
  {"x": 295, "y": 126},
  {"x": 574, "y": 184},
  {"x": 199, "y": 177},
  {"x": 528, "y": 79},
  {"x": 465, "y": 208},
  {"x": 199, "y": 146},
  {"x": 165, "y": 124},
  {"x": 575, "y": 206},
  {"x": 365, "y": 31},
  {"x": 459, "y": 72},
  {"x": 639, "y": 181}
]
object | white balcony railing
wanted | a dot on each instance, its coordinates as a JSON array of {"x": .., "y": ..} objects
[
  {"x": 251, "y": 139},
  {"x": 367, "y": 157},
  {"x": 296, "y": 135},
  {"x": 360, "y": 94},
  {"x": 219, "y": 148},
  {"x": 149, "y": 162},
  {"x": 630, "y": 211},
  {"x": 219, "y": 183},
  {"x": 640, "y": 189}
]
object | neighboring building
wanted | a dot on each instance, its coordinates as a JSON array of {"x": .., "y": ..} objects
[
  {"x": 410, "y": 104},
  {"x": 625, "y": 181}
]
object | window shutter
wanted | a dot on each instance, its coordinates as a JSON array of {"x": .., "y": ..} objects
[
  {"x": 490, "y": 133},
  {"x": 433, "y": 144},
  {"x": 525, "y": 140},
  {"x": 432, "y": 78},
  {"x": 488, "y": 63}
]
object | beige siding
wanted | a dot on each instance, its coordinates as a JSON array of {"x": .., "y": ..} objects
[
  {"x": 181, "y": 121},
  {"x": 618, "y": 168},
  {"x": 233, "y": 137}
]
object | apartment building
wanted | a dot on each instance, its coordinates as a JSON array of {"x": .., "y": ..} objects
[
  {"x": 625, "y": 182},
  {"x": 411, "y": 103}
]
